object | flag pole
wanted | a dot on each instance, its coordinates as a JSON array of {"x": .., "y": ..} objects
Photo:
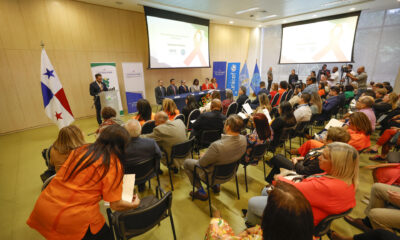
[{"x": 42, "y": 44}]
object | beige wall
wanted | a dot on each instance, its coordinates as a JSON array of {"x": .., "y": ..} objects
[{"x": 76, "y": 34}]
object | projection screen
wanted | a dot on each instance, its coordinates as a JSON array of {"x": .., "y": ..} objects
[
  {"x": 176, "y": 40},
  {"x": 323, "y": 40}
]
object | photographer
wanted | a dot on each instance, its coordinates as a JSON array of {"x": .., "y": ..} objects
[
  {"x": 323, "y": 71},
  {"x": 360, "y": 78},
  {"x": 346, "y": 69}
]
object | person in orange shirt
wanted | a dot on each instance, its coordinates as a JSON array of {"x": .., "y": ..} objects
[
  {"x": 170, "y": 108},
  {"x": 274, "y": 90},
  {"x": 213, "y": 84},
  {"x": 360, "y": 129},
  {"x": 68, "y": 208},
  {"x": 144, "y": 112},
  {"x": 283, "y": 88},
  {"x": 321, "y": 89}
]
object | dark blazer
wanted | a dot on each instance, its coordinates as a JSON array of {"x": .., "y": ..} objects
[
  {"x": 170, "y": 90},
  {"x": 95, "y": 90},
  {"x": 213, "y": 120},
  {"x": 140, "y": 149},
  {"x": 327, "y": 108},
  {"x": 293, "y": 78},
  {"x": 183, "y": 89},
  {"x": 160, "y": 93},
  {"x": 240, "y": 101},
  {"x": 256, "y": 102}
]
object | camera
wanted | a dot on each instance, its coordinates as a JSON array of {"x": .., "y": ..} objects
[{"x": 345, "y": 69}]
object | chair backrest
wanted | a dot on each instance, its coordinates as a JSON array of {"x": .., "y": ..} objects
[
  {"x": 258, "y": 152},
  {"x": 181, "y": 117},
  {"x": 286, "y": 133},
  {"x": 247, "y": 101},
  {"x": 209, "y": 136},
  {"x": 182, "y": 150},
  {"x": 284, "y": 95},
  {"x": 135, "y": 222},
  {"x": 143, "y": 170},
  {"x": 148, "y": 127},
  {"x": 289, "y": 95},
  {"x": 323, "y": 227},
  {"x": 269, "y": 97},
  {"x": 47, "y": 182},
  {"x": 193, "y": 115},
  {"x": 275, "y": 99},
  {"x": 232, "y": 109},
  {"x": 224, "y": 172}
]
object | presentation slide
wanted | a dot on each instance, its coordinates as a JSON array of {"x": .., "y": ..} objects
[
  {"x": 177, "y": 44},
  {"x": 319, "y": 42}
]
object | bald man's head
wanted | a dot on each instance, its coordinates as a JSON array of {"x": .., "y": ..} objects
[
  {"x": 160, "y": 118},
  {"x": 133, "y": 127},
  {"x": 361, "y": 69},
  {"x": 216, "y": 105}
]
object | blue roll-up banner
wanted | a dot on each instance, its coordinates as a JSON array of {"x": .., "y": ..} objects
[
  {"x": 232, "y": 81},
  {"x": 219, "y": 73}
]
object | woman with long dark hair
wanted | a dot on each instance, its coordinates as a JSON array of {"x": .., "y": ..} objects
[
  {"x": 260, "y": 135},
  {"x": 286, "y": 119},
  {"x": 68, "y": 208},
  {"x": 191, "y": 104},
  {"x": 144, "y": 111}
]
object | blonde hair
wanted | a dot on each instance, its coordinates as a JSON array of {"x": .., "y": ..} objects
[
  {"x": 317, "y": 101},
  {"x": 381, "y": 91},
  {"x": 169, "y": 106},
  {"x": 345, "y": 160},
  {"x": 367, "y": 100},
  {"x": 264, "y": 102},
  {"x": 69, "y": 138},
  {"x": 393, "y": 98}
]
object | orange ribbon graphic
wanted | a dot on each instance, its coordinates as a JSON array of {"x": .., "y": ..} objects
[
  {"x": 333, "y": 45},
  {"x": 198, "y": 39}
]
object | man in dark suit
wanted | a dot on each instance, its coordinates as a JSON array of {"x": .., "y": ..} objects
[
  {"x": 293, "y": 78},
  {"x": 323, "y": 71},
  {"x": 172, "y": 90},
  {"x": 242, "y": 98},
  {"x": 95, "y": 88},
  {"x": 213, "y": 120},
  {"x": 256, "y": 102},
  {"x": 139, "y": 149},
  {"x": 183, "y": 88},
  {"x": 330, "y": 104},
  {"x": 160, "y": 92}
]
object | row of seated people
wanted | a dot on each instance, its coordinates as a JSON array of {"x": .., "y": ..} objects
[{"x": 229, "y": 148}]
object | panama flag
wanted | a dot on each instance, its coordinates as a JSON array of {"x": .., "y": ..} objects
[
  {"x": 255, "y": 81},
  {"x": 244, "y": 79},
  {"x": 55, "y": 102}
]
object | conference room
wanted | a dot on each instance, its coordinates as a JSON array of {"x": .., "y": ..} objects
[{"x": 227, "y": 119}]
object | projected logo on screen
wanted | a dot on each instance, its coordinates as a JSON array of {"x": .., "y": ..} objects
[
  {"x": 175, "y": 44},
  {"x": 321, "y": 41}
]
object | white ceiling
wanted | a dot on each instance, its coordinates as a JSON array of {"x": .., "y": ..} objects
[{"x": 253, "y": 13}]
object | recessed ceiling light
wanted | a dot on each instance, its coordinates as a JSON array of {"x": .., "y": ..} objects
[
  {"x": 247, "y": 10},
  {"x": 259, "y": 25},
  {"x": 315, "y": 15},
  {"x": 329, "y": 4},
  {"x": 231, "y": 22},
  {"x": 352, "y": 9},
  {"x": 284, "y": 21},
  {"x": 270, "y": 16}
]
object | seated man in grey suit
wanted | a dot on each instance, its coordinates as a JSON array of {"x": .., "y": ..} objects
[
  {"x": 139, "y": 149},
  {"x": 228, "y": 149},
  {"x": 167, "y": 134}
]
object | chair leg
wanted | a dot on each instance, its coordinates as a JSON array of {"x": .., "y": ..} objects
[
  {"x": 170, "y": 179},
  {"x": 245, "y": 177},
  {"x": 209, "y": 197},
  {"x": 237, "y": 186},
  {"x": 194, "y": 183},
  {"x": 149, "y": 184},
  {"x": 264, "y": 166},
  {"x": 172, "y": 224}
]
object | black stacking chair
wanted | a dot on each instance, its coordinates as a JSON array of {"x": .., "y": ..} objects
[
  {"x": 257, "y": 154},
  {"x": 323, "y": 227},
  {"x": 48, "y": 180},
  {"x": 193, "y": 115},
  {"x": 275, "y": 99},
  {"x": 148, "y": 127},
  {"x": 128, "y": 224},
  {"x": 289, "y": 95},
  {"x": 284, "y": 95},
  {"x": 206, "y": 138},
  {"x": 221, "y": 173},
  {"x": 232, "y": 109},
  {"x": 181, "y": 117}
]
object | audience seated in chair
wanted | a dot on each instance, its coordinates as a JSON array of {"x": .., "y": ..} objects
[
  {"x": 364, "y": 104},
  {"x": 207, "y": 107},
  {"x": 69, "y": 138},
  {"x": 383, "y": 210},
  {"x": 288, "y": 216},
  {"x": 329, "y": 105},
  {"x": 263, "y": 90},
  {"x": 296, "y": 96},
  {"x": 303, "y": 111},
  {"x": 261, "y": 134},
  {"x": 68, "y": 208},
  {"x": 213, "y": 120},
  {"x": 384, "y": 141},
  {"x": 286, "y": 119},
  {"x": 139, "y": 149},
  {"x": 339, "y": 161},
  {"x": 264, "y": 106},
  {"x": 144, "y": 111},
  {"x": 387, "y": 173},
  {"x": 228, "y": 100},
  {"x": 388, "y": 103},
  {"x": 169, "y": 107},
  {"x": 274, "y": 90},
  {"x": 360, "y": 130},
  {"x": 242, "y": 98},
  {"x": 109, "y": 116},
  {"x": 315, "y": 104},
  {"x": 191, "y": 104},
  {"x": 380, "y": 94},
  {"x": 167, "y": 134},
  {"x": 228, "y": 149},
  {"x": 308, "y": 164},
  {"x": 283, "y": 87},
  {"x": 312, "y": 86}
]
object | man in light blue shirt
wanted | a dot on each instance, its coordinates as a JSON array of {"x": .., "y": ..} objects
[{"x": 311, "y": 85}]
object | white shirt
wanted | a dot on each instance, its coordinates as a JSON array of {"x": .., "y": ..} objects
[
  {"x": 303, "y": 113},
  {"x": 334, "y": 79}
]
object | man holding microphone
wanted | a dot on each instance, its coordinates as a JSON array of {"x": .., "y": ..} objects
[{"x": 97, "y": 87}]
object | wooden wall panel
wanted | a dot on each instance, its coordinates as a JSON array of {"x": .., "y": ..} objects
[{"x": 76, "y": 34}]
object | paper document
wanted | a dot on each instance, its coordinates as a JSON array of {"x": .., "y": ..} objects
[
  {"x": 247, "y": 108},
  {"x": 334, "y": 123},
  {"x": 242, "y": 115},
  {"x": 128, "y": 187},
  {"x": 266, "y": 113},
  {"x": 192, "y": 121}
]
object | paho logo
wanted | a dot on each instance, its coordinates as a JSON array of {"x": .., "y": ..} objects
[{"x": 233, "y": 68}]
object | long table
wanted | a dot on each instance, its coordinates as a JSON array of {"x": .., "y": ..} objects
[{"x": 180, "y": 99}]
